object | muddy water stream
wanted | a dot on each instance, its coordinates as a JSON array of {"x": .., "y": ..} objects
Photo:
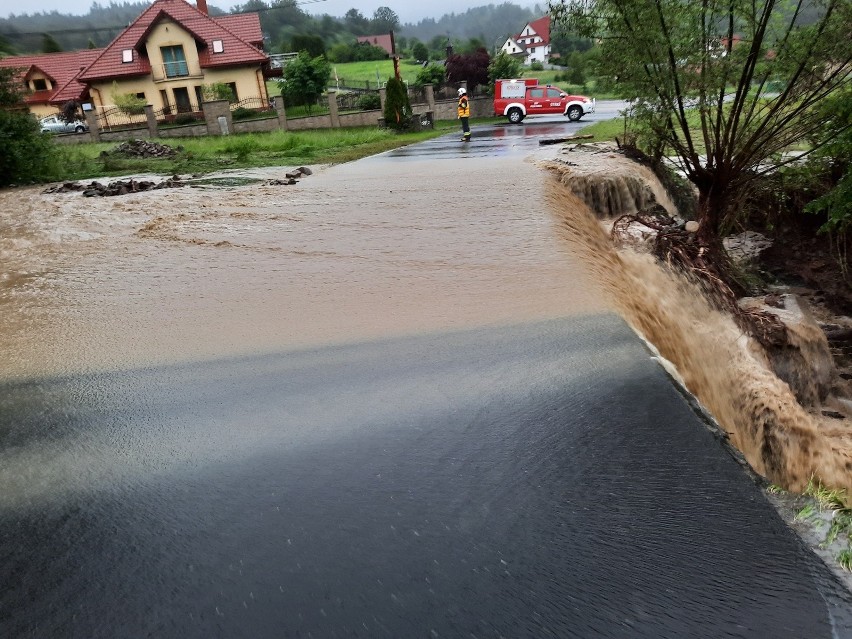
[
  {"x": 350, "y": 253},
  {"x": 727, "y": 371}
]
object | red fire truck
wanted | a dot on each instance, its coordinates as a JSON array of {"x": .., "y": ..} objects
[{"x": 516, "y": 99}]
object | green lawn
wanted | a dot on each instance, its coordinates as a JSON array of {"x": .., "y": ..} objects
[
  {"x": 206, "y": 154},
  {"x": 362, "y": 72}
]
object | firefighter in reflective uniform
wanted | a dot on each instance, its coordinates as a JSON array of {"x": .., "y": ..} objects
[{"x": 464, "y": 114}]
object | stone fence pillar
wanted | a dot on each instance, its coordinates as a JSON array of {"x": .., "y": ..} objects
[
  {"x": 215, "y": 110},
  {"x": 92, "y": 121},
  {"x": 332, "y": 109},
  {"x": 430, "y": 96},
  {"x": 383, "y": 95},
  {"x": 152, "y": 121},
  {"x": 278, "y": 103}
]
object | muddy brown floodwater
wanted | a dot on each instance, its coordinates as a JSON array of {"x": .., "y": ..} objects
[
  {"x": 727, "y": 371},
  {"x": 352, "y": 252}
]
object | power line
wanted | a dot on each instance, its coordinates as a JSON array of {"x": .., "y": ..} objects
[{"x": 15, "y": 34}]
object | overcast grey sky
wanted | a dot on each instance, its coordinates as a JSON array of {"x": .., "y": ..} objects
[{"x": 407, "y": 10}]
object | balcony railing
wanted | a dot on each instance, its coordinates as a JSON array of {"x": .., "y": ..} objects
[{"x": 174, "y": 70}]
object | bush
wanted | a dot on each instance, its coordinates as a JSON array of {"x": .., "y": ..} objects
[
  {"x": 535, "y": 65},
  {"x": 28, "y": 156},
  {"x": 242, "y": 113},
  {"x": 503, "y": 65},
  {"x": 217, "y": 91},
  {"x": 433, "y": 74},
  {"x": 369, "y": 102},
  {"x": 128, "y": 103},
  {"x": 397, "y": 106},
  {"x": 185, "y": 118}
]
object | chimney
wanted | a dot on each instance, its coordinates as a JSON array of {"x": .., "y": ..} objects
[{"x": 202, "y": 6}]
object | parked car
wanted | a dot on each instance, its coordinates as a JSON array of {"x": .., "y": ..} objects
[
  {"x": 516, "y": 99},
  {"x": 55, "y": 124}
]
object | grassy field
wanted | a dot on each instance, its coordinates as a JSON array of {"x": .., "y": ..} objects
[
  {"x": 606, "y": 130},
  {"x": 203, "y": 155},
  {"x": 362, "y": 72}
]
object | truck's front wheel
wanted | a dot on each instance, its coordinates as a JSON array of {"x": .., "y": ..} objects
[
  {"x": 574, "y": 113},
  {"x": 515, "y": 115}
]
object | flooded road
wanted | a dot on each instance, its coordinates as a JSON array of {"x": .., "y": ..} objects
[
  {"x": 386, "y": 401},
  {"x": 352, "y": 252}
]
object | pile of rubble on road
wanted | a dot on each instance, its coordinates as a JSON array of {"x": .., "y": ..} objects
[
  {"x": 291, "y": 177},
  {"x": 123, "y": 187},
  {"x": 143, "y": 149},
  {"x": 119, "y": 187}
]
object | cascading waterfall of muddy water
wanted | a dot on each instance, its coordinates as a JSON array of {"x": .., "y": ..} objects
[{"x": 728, "y": 372}]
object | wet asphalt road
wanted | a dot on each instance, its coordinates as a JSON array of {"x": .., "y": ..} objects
[
  {"x": 504, "y": 139},
  {"x": 543, "y": 480},
  {"x": 539, "y": 480}
]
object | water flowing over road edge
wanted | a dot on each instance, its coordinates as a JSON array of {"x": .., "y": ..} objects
[{"x": 726, "y": 372}]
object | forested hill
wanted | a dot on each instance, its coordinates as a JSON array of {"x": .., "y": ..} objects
[
  {"x": 487, "y": 23},
  {"x": 280, "y": 21}
]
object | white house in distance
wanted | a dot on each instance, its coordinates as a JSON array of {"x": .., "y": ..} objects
[{"x": 532, "y": 43}]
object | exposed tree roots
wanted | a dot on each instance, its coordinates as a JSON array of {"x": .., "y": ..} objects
[{"x": 681, "y": 250}]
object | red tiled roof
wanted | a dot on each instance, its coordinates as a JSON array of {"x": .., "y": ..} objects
[
  {"x": 383, "y": 41},
  {"x": 62, "y": 68},
  {"x": 203, "y": 28},
  {"x": 38, "y": 97},
  {"x": 541, "y": 27},
  {"x": 246, "y": 26}
]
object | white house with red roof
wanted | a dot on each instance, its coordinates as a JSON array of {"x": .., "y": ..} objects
[
  {"x": 166, "y": 57},
  {"x": 532, "y": 44}
]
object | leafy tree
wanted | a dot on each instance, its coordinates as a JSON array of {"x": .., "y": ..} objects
[
  {"x": 565, "y": 43},
  {"x": 438, "y": 47},
  {"x": 432, "y": 74},
  {"x": 698, "y": 72},
  {"x": 356, "y": 22},
  {"x": 360, "y": 52},
  {"x": 5, "y": 45},
  {"x": 471, "y": 46},
  {"x": 397, "y": 105},
  {"x": 504, "y": 66},
  {"x": 313, "y": 44},
  {"x": 834, "y": 161},
  {"x": 384, "y": 20},
  {"x": 576, "y": 68},
  {"x": 70, "y": 111},
  {"x": 27, "y": 154},
  {"x": 469, "y": 67},
  {"x": 420, "y": 52},
  {"x": 49, "y": 44},
  {"x": 305, "y": 79}
]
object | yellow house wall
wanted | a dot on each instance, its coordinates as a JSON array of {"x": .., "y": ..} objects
[
  {"x": 170, "y": 34},
  {"x": 43, "y": 110}
]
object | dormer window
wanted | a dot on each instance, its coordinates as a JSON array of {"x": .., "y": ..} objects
[
  {"x": 127, "y": 55},
  {"x": 218, "y": 46},
  {"x": 39, "y": 84}
]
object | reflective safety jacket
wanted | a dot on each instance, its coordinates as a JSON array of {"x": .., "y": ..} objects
[{"x": 464, "y": 107}]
